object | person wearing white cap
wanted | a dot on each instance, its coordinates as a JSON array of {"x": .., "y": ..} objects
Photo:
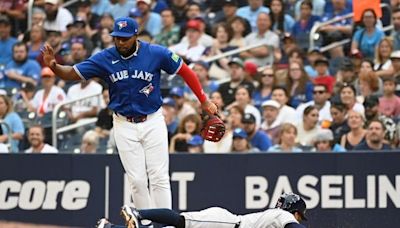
[
  {"x": 271, "y": 123},
  {"x": 57, "y": 17}
]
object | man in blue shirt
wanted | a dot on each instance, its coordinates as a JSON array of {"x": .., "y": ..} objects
[
  {"x": 257, "y": 138},
  {"x": 132, "y": 70},
  {"x": 6, "y": 41},
  {"x": 251, "y": 12},
  {"x": 21, "y": 69}
]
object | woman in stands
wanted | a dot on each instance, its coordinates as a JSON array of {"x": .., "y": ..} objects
[
  {"x": 367, "y": 37},
  {"x": 281, "y": 22},
  {"x": 382, "y": 63},
  {"x": 287, "y": 140},
  {"x": 266, "y": 82},
  {"x": 299, "y": 85},
  {"x": 13, "y": 121},
  {"x": 308, "y": 127},
  {"x": 348, "y": 97},
  {"x": 240, "y": 28},
  {"x": 356, "y": 121},
  {"x": 189, "y": 126},
  {"x": 36, "y": 41}
]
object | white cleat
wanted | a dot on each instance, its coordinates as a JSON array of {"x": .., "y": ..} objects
[
  {"x": 131, "y": 216},
  {"x": 103, "y": 223}
]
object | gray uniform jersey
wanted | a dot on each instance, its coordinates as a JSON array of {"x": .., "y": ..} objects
[{"x": 216, "y": 217}]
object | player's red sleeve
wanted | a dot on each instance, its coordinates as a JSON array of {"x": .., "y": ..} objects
[{"x": 191, "y": 79}]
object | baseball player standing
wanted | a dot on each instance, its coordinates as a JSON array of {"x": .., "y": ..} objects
[{"x": 132, "y": 70}]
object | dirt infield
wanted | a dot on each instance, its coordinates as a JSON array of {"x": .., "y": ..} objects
[{"x": 5, "y": 224}]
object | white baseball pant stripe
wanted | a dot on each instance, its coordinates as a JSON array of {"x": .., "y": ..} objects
[
  {"x": 143, "y": 150},
  {"x": 214, "y": 217}
]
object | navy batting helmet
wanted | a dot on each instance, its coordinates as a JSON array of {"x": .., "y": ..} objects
[{"x": 292, "y": 203}]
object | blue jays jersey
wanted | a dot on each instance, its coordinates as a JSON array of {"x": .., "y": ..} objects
[{"x": 134, "y": 82}]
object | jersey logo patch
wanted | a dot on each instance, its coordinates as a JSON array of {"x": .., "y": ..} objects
[
  {"x": 122, "y": 24},
  {"x": 175, "y": 57},
  {"x": 147, "y": 89}
]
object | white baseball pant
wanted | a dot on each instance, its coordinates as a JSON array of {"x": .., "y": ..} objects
[
  {"x": 143, "y": 150},
  {"x": 214, "y": 217}
]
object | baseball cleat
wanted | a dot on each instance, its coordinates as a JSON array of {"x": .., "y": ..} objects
[
  {"x": 131, "y": 216},
  {"x": 103, "y": 223}
]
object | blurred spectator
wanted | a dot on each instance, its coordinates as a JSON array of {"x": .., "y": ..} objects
[
  {"x": 299, "y": 85},
  {"x": 121, "y": 8},
  {"x": 36, "y": 136},
  {"x": 47, "y": 98},
  {"x": 38, "y": 16},
  {"x": 281, "y": 22},
  {"x": 205, "y": 39},
  {"x": 17, "y": 11},
  {"x": 345, "y": 75},
  {"x": 395, "y": 58},
  {"x": 348, "y": 97},
  {"x": 107, "y": 21},
  {"x": 286, "y": 142},
  {"x": 57, "y": 17},
  {"x": 369, "y": 84},
  {"x": 339, "y": 124},
  {"x": 240, "y": 29},
  {"x": 382, "y": 63},
  {"x": 308, "y": 128},
  {"x": 374, "y": 139},
  {"x": 179, "y": 7},
  {"x": 53, "y": 38},
  {"x": 80, "y": 33},
  {"x": 235, "y": 117},
  {"x": 252, "y": 11},
  {"x": 227, "y": 14},
  {"x": 170, "y": 116},
  {"x": 6, "y": 41},
  {"x": 158, "y": 6},
  {"x": 183, "y": 108},
  {"x": 324, "y": 142},
  {"x": 195, "y": 145},
  {"x": 216, "y": 98},
  {"x": 321, "y": 66},
  {"x": 389, "y": 103},
  {"x": 396, "y": 28},
  {"x": 23, "y": 97},
  {"x": 286, "y": 114},
  {"x": 318, "y": 7},
  {"x": 84, "y": 12},
  {"x": 192, "y": 50},
  {"x": 79, "y": 51},
  {"x": 264, "y": 89},
  {"x": 84, "y": 108},
  {"x": 201, "y": 68},
  {"x": 222, "y": 34},
  {"x": 106, "y": 41},
  {"x": 36, "y": 41},
  {"x": 90, "y": 142},
  {"x": 271, "y": 124},
  {"x": 339, "y": 30},
  {"x": 104, "y": 122},
  {"x": 257, "y": 138},
  {"x": 240, "y": 143},
  {"x": 100, "y": 7},
  {"x": 21, "y": 69},
  {"x": 356, "y": 135},
  {"x": 243, "y": 99},
  {"x": 228, "y": 89},
  {"x": 269, "y": 52},
  {"x": 312, "y": 56},
  {"x": 151, "y": 20},
  {"x": 13, "y": 121},
  {"x": 372, "y": 112},
  {"x": 368, "y": 37},
  {"x": 188, "y": 127},
  {"x": 169, "y": 34},
  {"x": 321, "y": 102},
  {"x": 289, "y": 47},
  {"x": 306, "y": 20}
]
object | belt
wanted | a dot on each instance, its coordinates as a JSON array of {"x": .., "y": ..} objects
[{"x": 135, "y": 119}]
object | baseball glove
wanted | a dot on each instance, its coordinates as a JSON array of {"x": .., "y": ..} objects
[{"x": 213, "y": 128}]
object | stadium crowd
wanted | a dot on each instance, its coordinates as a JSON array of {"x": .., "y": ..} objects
[{"x": 279, "y": 96}]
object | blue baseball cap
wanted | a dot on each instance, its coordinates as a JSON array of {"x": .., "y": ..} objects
[
  {"x": 239, "y": 133},
  {"x": 177, "y": 91},
  {"x": 135, "y": 12},
  {"x": 196, "y": 140},
  {"x": 125, "y": 27},
  {"x": 168, "y": 101}
]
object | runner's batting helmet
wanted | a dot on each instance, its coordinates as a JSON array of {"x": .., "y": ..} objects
[{"x": 293, "y": 203}]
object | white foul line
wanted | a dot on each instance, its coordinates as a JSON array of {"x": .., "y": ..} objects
[{"x": 106, "y": 192}]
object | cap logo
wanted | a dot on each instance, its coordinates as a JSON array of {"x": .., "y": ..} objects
[{"x": 122, "y": 24}]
